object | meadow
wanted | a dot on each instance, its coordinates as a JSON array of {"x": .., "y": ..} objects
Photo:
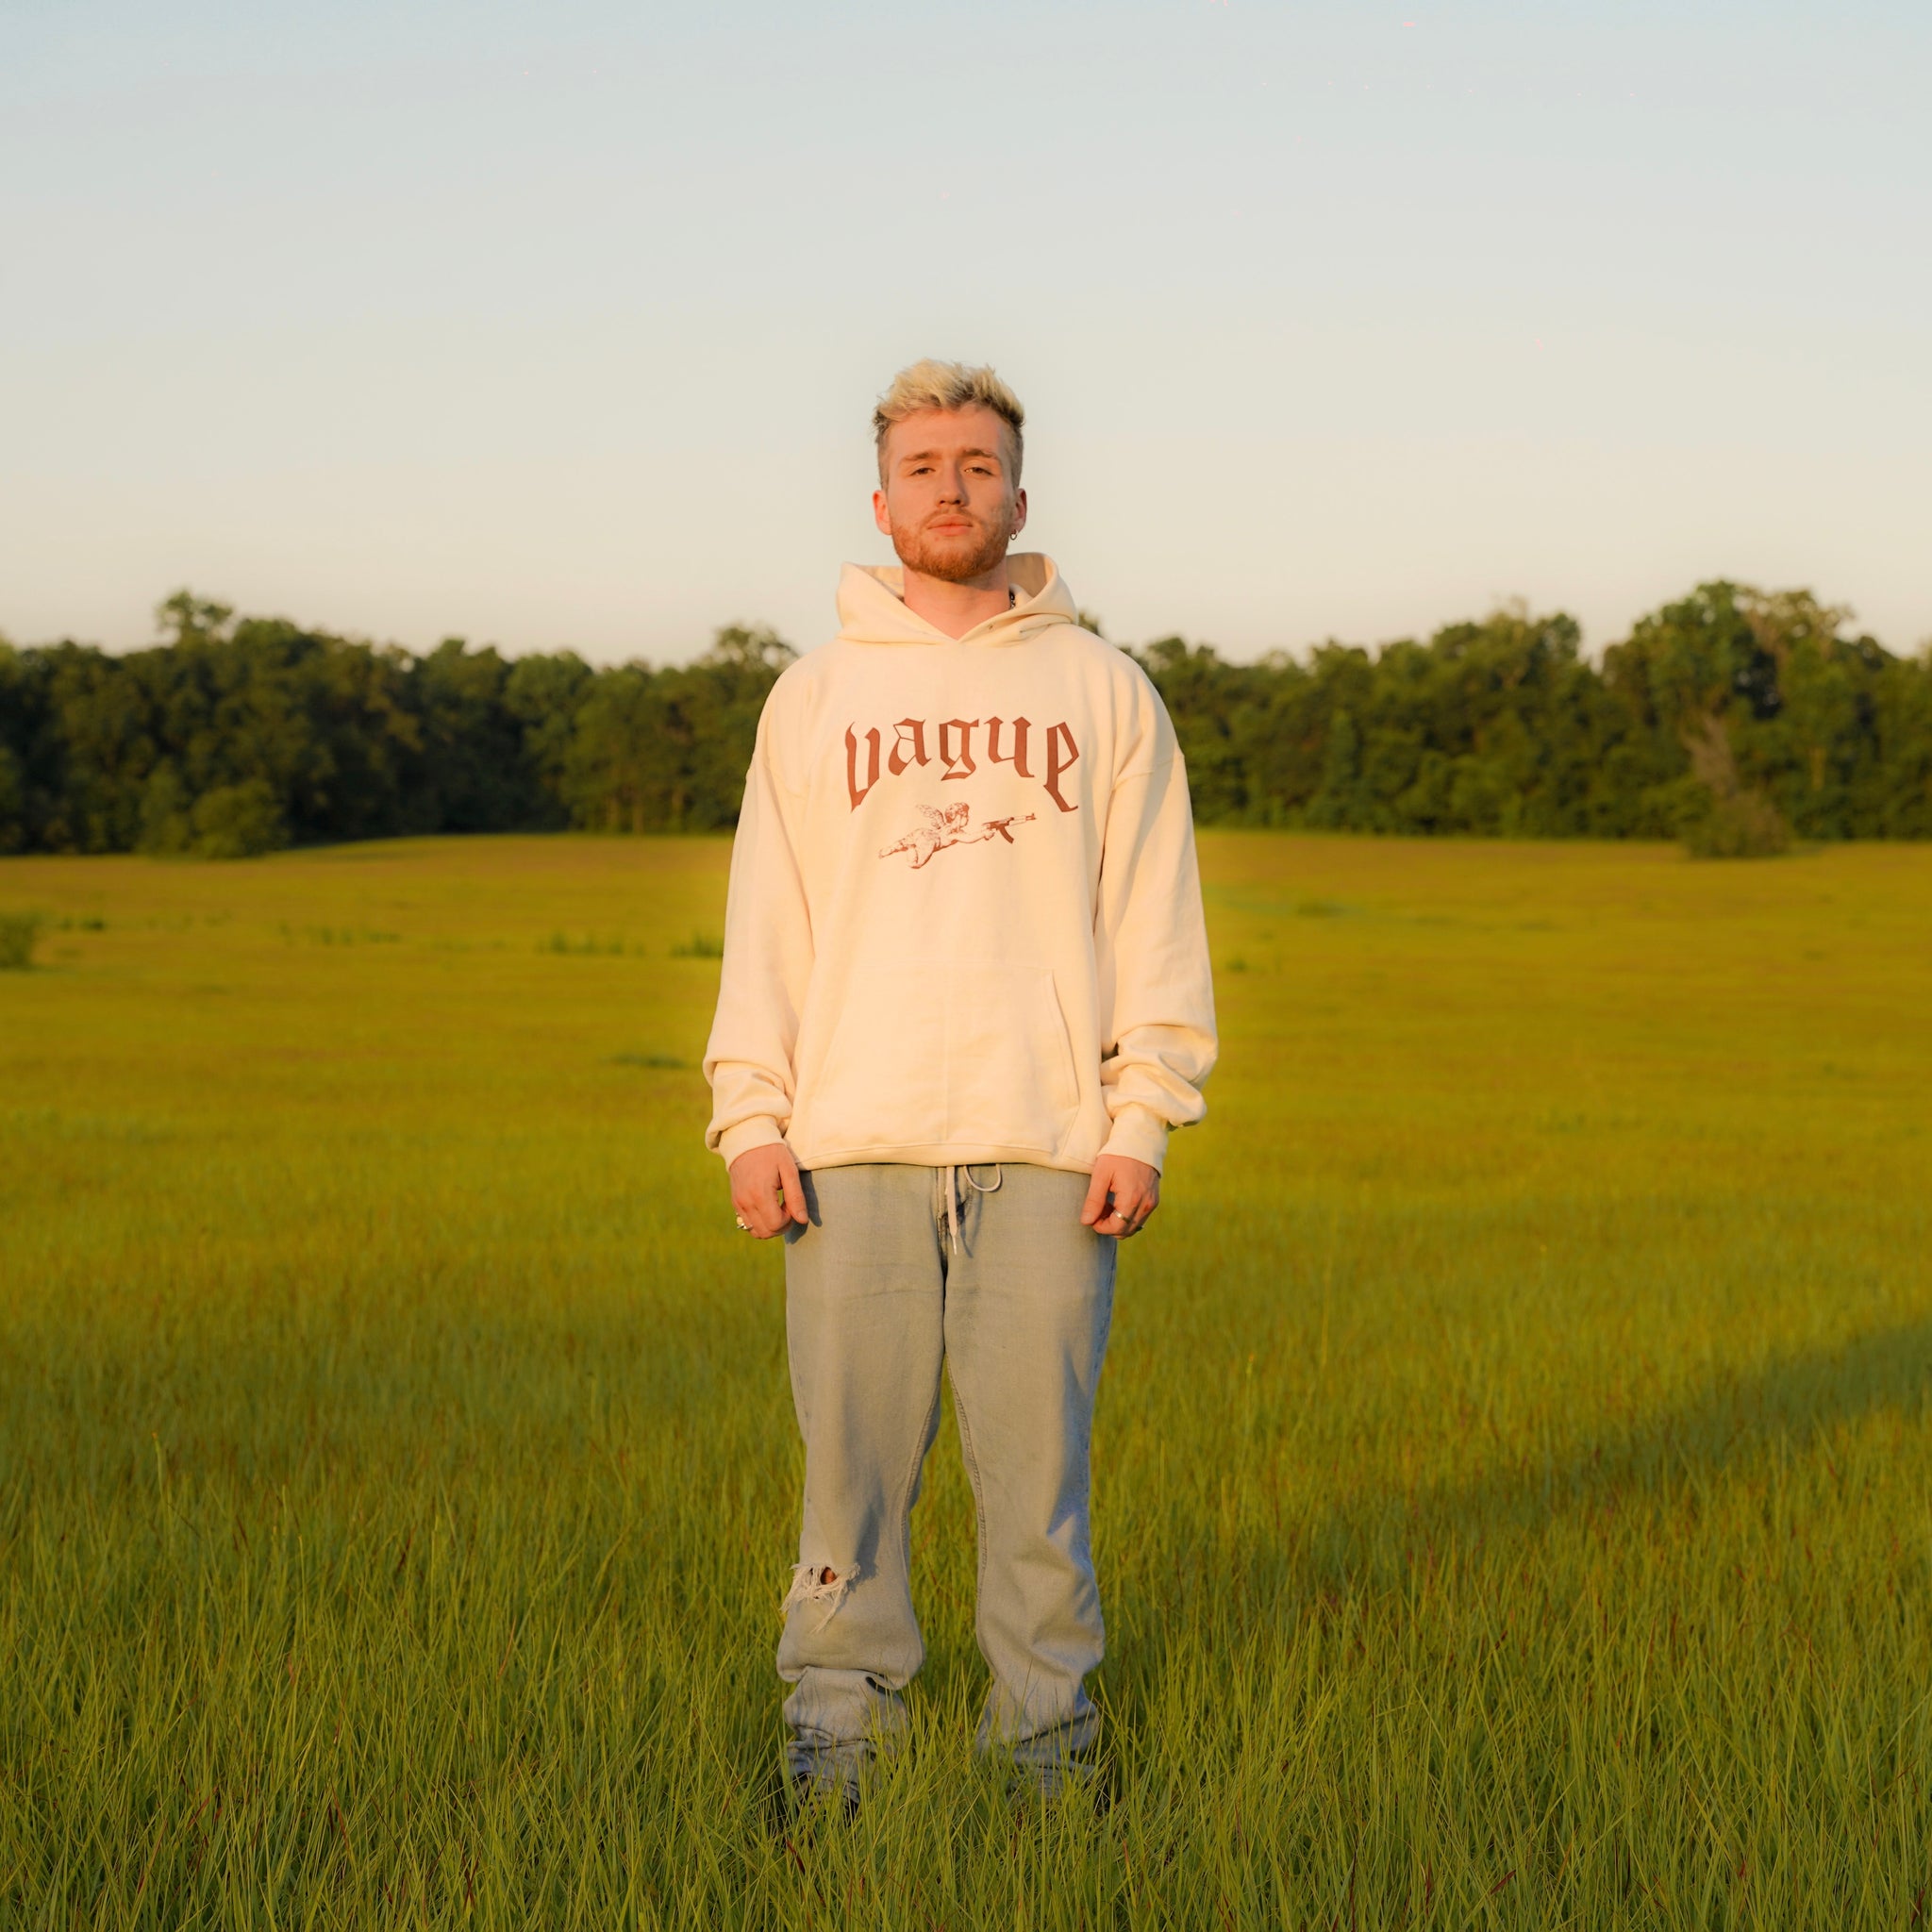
[{"x": 1514, "y": 1469}]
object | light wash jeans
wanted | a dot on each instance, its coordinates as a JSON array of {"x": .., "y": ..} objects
[{"x": 987, "y": 1270}]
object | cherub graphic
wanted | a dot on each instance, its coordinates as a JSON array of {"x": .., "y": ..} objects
[{"x": 948, "y": 826}]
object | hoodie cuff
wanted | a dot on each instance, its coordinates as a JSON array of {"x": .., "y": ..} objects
[
  {"x": 1139, "y": 1133},
  {"x": 761, "y": 1130}
]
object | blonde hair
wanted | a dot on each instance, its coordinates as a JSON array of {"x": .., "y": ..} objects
[{"x": 929, "y": 384}]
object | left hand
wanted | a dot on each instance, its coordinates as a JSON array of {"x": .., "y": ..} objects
[{"x": 1124, "y": 1193}]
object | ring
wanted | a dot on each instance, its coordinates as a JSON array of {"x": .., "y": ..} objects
[{"x": 743, "y": 1225}]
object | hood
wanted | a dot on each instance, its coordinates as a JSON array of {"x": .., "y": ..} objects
[{"x": 871, "y": 605}]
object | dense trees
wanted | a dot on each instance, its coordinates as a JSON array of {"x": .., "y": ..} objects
[
  {"x": 1732, "y": 718},
  {"x": 239, "y": 737}
]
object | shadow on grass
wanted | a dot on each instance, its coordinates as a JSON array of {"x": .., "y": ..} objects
[
  {"x": 1788, "y": 1405},
  {"x": 1379, "y": 1542}
]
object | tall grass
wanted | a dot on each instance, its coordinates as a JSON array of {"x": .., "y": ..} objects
[
  {"x": 1512, "y": 1459},
  {"x": 20, "y": 933}
]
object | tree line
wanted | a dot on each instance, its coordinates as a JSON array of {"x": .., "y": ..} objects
[{"x": 1732, "y": 719}]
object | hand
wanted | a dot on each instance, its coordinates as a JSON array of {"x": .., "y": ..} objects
[
  {"x": 1134, "y": 1190},
  {"x": 766, "y": 1191}
]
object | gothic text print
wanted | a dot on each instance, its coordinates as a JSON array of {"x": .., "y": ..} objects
[{"x": 961, "y": 746}]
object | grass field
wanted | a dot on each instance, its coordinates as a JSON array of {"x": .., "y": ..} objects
[{"x": 1514, "y": 1467}]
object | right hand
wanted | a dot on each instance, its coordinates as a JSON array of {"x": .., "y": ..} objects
[{"x": 766, "y": 1191}]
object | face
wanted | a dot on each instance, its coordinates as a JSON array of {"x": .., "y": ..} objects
[{"x": 948, "y": 502}]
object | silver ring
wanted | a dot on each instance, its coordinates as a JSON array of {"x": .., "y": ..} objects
[{"x": 744, "y": 1226}]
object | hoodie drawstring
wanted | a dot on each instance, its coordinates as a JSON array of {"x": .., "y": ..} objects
[{"x": 953, "y": 1177}]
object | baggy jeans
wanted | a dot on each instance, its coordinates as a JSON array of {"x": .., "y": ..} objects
[{"x": 987, "y": 1270}]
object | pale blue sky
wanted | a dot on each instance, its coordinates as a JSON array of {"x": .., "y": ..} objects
[{"x": 561, "y": 325}]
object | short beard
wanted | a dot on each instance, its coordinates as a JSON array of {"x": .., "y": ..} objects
[{"x": 958, "y": 560}]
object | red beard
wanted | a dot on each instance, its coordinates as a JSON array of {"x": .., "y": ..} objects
[{"x": 955, "y": 556}]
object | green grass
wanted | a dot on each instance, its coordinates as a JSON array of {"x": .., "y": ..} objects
[
  {"x": 1514, "y": 1499},
  {"x": 20, "y": 933}
]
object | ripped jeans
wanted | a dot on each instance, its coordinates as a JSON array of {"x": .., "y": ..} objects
[{"x": 988, "y": 1271}]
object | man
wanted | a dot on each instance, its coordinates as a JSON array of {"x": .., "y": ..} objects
[{"x": 965, "y": 996}]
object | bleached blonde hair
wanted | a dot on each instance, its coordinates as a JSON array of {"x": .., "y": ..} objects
[{"x": 929, "y": 384}]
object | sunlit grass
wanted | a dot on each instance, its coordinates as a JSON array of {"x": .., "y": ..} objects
[{"x": 1513, "y": 1458}]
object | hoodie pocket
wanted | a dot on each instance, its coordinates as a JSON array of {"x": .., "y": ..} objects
[
  {"x": 1010, "y": 1063},
  {"x": 946, "y": 1052}
]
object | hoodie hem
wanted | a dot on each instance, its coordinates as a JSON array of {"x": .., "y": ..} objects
[{"x": 946, "y": 1154}]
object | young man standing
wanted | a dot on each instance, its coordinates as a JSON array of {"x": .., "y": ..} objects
[{"x": 965, "y": 996}]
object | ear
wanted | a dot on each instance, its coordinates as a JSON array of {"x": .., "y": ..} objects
[
  {"x": 1018, "y": 512},
  {"x": 880, "y": 514}
]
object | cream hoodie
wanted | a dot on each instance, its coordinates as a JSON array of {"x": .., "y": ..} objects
[{"x": 965, "y": 921}]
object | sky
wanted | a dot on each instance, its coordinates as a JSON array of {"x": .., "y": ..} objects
[{"x": 561, "y": 325}]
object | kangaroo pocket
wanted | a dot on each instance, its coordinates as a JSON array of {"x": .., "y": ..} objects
[{"x": 945, "y": 1052}]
